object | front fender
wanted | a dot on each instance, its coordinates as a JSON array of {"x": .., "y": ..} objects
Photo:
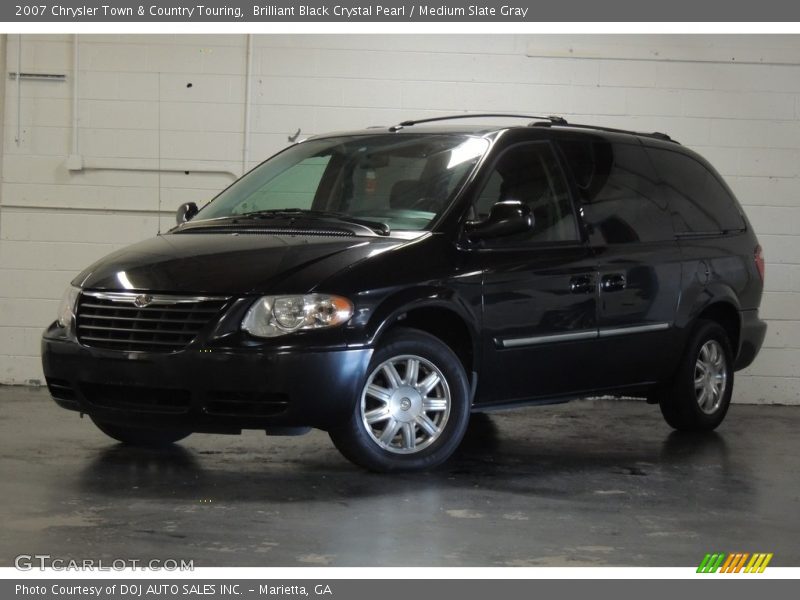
[{"x": 392, "y": 308}]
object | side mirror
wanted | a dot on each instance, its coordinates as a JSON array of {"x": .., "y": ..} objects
[
  {"x": 186, "y": 212},
  {"x": 507, "y": 217}
]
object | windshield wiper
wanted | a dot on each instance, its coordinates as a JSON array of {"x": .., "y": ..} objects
[{"x": 300, "y": 213}]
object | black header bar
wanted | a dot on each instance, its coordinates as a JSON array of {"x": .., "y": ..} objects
[{"x": 398, "y": 11}]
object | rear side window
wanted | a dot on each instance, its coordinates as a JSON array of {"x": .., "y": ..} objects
[
  {"x": 530, "y": 173},
  {"x": 619, "y": 194},
  {"x": 699, "y": 202}
]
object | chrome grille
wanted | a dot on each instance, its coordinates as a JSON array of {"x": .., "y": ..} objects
[{"x": 140, "y": 322}]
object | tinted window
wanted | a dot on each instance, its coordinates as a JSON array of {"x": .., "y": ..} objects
[
  {"x": 619, "y": 192},
  {"x": 698, "y": 200},
  {"x": 530, "y": 173}
]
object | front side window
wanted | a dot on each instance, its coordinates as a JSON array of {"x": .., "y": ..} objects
[
  {"x": 402, "y": 180},
  {"x": 530, "y": 174}
]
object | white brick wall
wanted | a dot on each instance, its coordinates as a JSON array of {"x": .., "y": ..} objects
[{"x": 734, "y": 99}]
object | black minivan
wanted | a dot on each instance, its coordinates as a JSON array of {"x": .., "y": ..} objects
[{"x": 383, "y": 284}]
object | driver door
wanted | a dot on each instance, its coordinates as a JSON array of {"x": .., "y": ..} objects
[{"x": 539, "y": 287}]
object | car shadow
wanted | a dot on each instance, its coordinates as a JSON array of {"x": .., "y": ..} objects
[{"x": 522, "y": 464}]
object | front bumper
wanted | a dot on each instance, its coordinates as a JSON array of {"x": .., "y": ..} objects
[
  {"x": 751, "y": 337},
  {"x": 220, "y": 390}
]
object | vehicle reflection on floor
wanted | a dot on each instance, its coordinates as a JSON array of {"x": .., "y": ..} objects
[{"x": 584, "y": 483}]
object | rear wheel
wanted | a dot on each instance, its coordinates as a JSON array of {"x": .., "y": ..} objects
[
  {"x": 413, "y": 408},
  {"x": 698, "y": 397},
  {"x": 135, "y": 436}
]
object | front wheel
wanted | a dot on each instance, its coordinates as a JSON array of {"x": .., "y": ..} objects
[
  {"x": 698, "y": 397},
  {"x": 413, "y": 408},
  {"x": 135, "y": 436}
]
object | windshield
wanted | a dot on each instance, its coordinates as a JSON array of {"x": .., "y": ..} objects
[{"x": 403, "y": 181}]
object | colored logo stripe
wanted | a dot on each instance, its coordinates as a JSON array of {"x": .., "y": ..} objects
[
  {"x": 711, "y": 562},
  {"x": 734, "y": 563},
  {"x": 726, "y": 567},
  {"x": 758, "y": 563}
]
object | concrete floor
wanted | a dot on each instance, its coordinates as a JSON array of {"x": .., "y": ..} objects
[{"x": 586, "y": 483}]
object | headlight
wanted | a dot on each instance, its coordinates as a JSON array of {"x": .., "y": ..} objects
[
  {"x": 272, "y": 316},
  {"x": 66, "y": 309}
]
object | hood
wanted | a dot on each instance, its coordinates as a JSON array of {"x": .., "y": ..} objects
[{"x": 224, "y": 263}]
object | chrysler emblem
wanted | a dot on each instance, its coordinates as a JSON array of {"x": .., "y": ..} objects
[{"x": 142, "y": 300}]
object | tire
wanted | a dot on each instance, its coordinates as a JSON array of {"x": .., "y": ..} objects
[
  {"x": 698, "y": 397},
  {"x": 134, "y": 436},
  {"x": 407, "y": 418}
]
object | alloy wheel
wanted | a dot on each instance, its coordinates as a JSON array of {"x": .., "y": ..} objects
[
  {"x": 710, "y": 377},
  {"x": 405, "y": 404}
]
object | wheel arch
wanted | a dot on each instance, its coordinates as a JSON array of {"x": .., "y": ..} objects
[
  {"x": 717, "y": 302},
  {"x": 727, "y": 315},
  {"x": 437, "y": 311}
]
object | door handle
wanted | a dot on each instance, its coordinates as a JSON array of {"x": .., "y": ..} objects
[
  {"x": 613, "y": 283},
  {"x": 581, "y": 284}
]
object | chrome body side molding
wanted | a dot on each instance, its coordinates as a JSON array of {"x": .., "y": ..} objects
[{"x": 580, "y": 335}]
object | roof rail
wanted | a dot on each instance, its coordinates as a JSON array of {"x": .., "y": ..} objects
[
  {"x": 411, "y": 123},
  {"x": 538, "y": 121},
  {"x": 657, "y": 135}
]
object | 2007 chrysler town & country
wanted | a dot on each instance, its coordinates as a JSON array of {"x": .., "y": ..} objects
[{"x": 383, "y": 284}]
